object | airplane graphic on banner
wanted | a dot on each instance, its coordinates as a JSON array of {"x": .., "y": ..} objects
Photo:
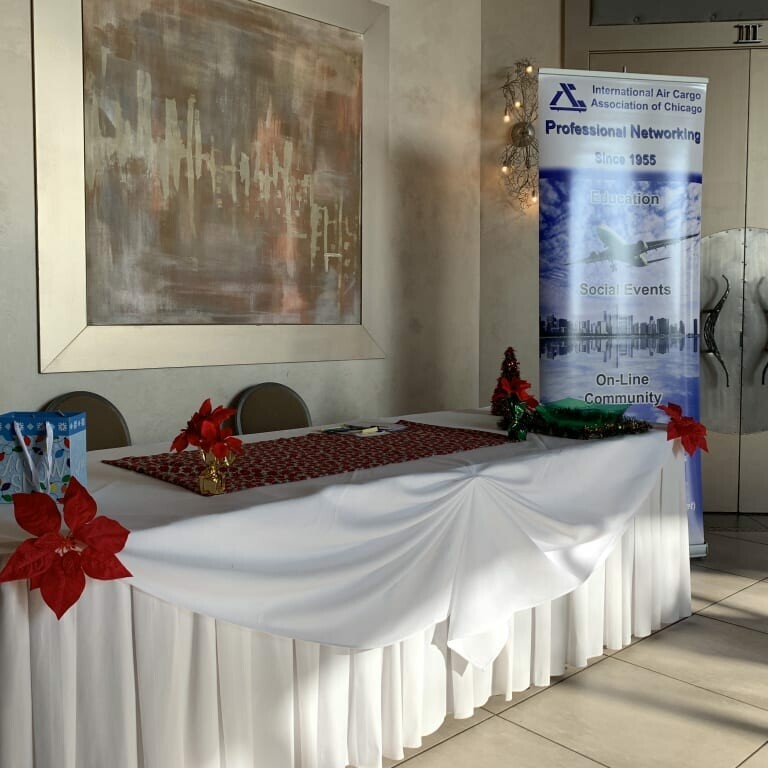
[{"x": 619, "y": 250}]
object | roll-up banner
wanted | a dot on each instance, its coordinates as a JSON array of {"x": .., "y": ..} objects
[{"x": 619, "y": 230}]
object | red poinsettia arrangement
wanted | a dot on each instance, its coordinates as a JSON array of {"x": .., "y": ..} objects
[
  {"x": 518, "y": 390},
  {"x": 205, "y": 431},
  {"x": 692, "y": 433},
  {"x": 55, "y": 562}
]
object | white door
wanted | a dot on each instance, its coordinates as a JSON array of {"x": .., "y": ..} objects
[{"x": 734, "y": 215}]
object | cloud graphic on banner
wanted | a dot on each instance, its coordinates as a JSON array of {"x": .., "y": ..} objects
[{"x": 554, "y": 221}]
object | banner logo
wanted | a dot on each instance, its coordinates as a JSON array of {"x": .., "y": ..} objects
[{"x": 574, "y": 104}]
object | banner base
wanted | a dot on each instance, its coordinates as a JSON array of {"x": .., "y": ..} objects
[{"x": 698, "y": 550}]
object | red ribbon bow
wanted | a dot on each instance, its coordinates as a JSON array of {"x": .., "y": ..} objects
[
  {"x": 204, "y": 430},
  {"x": 55, "y": 563},
  {"x": 692, "y": 434}
]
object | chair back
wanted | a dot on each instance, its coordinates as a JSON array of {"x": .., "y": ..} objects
[
  {"x": 269, "y": 407},
  {"x": 105, "y": 425}
]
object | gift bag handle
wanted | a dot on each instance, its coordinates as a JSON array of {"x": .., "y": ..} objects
[{"x": 47, "y": 459}]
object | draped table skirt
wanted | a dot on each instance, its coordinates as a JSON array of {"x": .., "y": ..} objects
[{"x": 126, "y": 680}]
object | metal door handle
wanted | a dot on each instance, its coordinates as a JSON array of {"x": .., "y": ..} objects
[{"x": 708, "y": 332}]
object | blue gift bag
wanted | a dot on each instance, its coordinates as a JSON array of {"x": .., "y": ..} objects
[{"x": 41, "y": 451}]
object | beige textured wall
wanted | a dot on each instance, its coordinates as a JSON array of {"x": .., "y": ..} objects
[
  {"x": 430, "y": 277},
  {"x": 435, "y": 162},
  {"x": 509, "y": 272}
]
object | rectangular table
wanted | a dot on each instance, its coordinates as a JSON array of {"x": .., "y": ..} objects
[{"x": 336, "y": 620}]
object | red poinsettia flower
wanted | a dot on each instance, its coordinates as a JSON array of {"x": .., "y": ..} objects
[
  {"x": 219, "y": 441},
  {"x": 204, "y": 430},
  {"x": 56, "y": 563},
  {"x": 518, "y": 388},
  {"x": 692, "y": 434}
]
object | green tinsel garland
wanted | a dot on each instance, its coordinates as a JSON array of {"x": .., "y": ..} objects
[{"x": 525, "y": 420}]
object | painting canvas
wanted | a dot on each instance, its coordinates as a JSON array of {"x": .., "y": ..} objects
[{"x": 222, "y": 164}]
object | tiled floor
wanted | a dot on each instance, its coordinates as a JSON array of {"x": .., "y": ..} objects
[{"x": 693, "y": 694}]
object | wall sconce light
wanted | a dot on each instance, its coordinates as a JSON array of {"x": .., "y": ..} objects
[{"x": 520, "y": 158}]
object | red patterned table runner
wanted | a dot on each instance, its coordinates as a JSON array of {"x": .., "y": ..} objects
[{"x": 289, "y": 459}]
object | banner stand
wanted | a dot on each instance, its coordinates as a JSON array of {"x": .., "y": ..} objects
[{"x": 621, "y": 160}]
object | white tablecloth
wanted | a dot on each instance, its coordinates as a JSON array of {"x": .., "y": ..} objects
[{"x": 332, "y": 621}]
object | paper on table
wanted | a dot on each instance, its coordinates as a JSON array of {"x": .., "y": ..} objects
[{"x": 369, "y": 429}]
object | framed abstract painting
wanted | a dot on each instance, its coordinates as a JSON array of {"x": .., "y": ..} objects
[{"x": 199, "y": 178}]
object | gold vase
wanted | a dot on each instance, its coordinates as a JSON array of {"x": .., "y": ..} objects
[{"x": 212, "y": 476}]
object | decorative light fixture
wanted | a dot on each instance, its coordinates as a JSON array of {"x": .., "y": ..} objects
[{"x": 520, "y": 158}]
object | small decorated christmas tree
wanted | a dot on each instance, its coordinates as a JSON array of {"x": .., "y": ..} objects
[
  {"x": 510, "y": 369},
  {"x": 511, "y": 400}
]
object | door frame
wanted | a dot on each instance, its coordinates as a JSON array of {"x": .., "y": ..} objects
[{"x": 580, "y": 39}]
